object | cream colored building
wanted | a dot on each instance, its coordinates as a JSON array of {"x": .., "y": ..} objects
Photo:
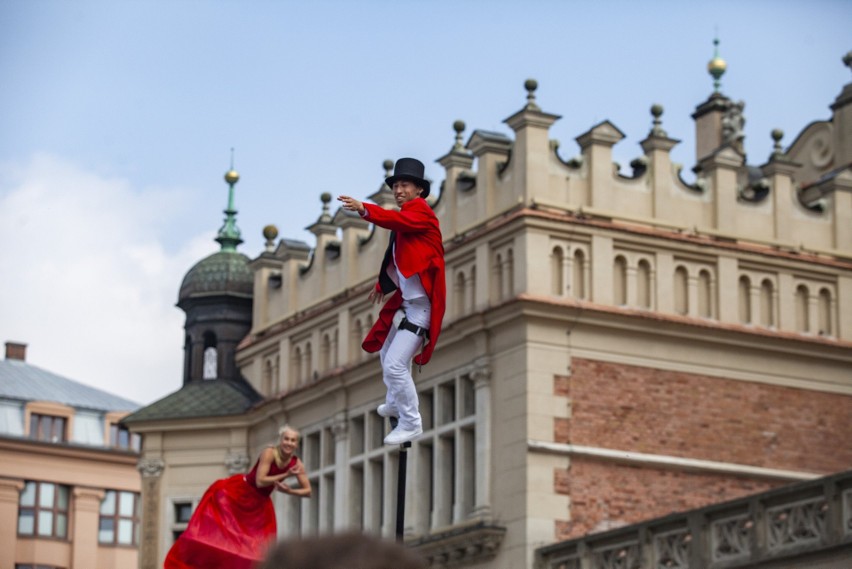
[
  {"x": 69, "y": 488},
  {"x": 617, "y": 344}
]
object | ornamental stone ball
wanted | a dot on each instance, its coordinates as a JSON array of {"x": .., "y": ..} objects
[
  {"x": 270, "y": 232},
  {"x": 459, "y": 126}
]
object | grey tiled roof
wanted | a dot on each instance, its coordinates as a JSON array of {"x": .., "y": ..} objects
[
  {"x": 26, "y": 382},
  {"x": 200, "y": 398}
]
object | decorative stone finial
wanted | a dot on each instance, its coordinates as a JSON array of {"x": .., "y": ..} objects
[
  {"x": 847, "y": 59},
  {"x": 531, "y": 85},
  {"x": 777, "y": 134},
  {"x": 231, "y": 176},
  {"x": 388, "y": 166},
  {"x": 270, "y": 232},
  {"x": 229, "y": 234},
  {"x": 716, "y": 66},
  {"x": 325, "y": 198},
  {"x": 459, "y": 127},
  {"x": 657, "y": 128}
]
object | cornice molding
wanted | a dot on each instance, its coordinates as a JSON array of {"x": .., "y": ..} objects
[{"x": 669, "y": 462}]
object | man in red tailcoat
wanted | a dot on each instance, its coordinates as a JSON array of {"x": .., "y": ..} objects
[{"x": 413, "y": 270}]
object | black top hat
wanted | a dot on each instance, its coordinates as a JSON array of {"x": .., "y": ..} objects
[{"x": 410, "y": 169}]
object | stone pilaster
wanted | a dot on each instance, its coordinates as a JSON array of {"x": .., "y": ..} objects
[
  {"x": 10, "y": 495},
  {"x": 152, "y": 471},
  {"x": 84, "y": 539},
  {"x": 481, "y": 377}
]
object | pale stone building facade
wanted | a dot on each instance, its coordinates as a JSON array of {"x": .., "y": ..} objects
[{"x": 617, "y": 346}]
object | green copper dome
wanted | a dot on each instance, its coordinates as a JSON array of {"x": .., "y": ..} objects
[{"x": 225, "y": 272}]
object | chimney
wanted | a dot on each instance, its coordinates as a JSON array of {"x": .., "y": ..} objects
[{"x": 16, "y": 351}]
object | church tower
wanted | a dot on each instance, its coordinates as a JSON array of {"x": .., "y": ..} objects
[{"x": 216, "y": 295}]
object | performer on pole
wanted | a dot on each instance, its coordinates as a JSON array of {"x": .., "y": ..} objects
[
  {"x": 413, "y": 270},
  {"x": 234, "y": 522}
]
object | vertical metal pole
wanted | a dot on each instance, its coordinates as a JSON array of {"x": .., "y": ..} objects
[{"x": 402, "y": 467}]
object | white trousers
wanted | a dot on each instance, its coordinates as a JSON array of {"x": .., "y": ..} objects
[{"x": 399, "y": 348}]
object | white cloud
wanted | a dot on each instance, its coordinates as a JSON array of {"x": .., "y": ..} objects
[{"x": 88, "y": 281}]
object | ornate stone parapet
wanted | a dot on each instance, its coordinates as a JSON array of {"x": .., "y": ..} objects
[
  {"x": 795, "y": 525},
  {"x": 460, "y": 546}
]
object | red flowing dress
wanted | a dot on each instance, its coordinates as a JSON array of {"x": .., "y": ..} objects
[{"x": 232, "y": 526}]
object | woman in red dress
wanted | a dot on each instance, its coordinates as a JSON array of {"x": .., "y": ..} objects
[{"x": 234, "y": 522}]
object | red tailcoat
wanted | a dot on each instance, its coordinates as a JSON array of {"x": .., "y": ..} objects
[{"x": 420, "y": 251}]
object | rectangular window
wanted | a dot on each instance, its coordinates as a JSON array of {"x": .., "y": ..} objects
[
  {"x": 182, "y": 514},
  {"x": 121, "y": 437},
  {"x": 119, "y": 519},
  {"x": 48, "y": 428},
  {"x": 43, "y": 510},
  {"x": 183, "y": 511},
  {"x": 12, "y": 418}
]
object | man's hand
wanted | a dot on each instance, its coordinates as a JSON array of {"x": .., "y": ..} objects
[
  {"x": 376, "y": 296},
  {"x": 351, "y": 204}
]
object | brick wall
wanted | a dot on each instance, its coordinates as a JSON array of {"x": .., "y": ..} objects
[
  {"x": 647, "y": 410},
  {"x": 605, "y": 495}
]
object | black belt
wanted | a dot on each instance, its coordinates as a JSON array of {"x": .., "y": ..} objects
[{"x": 420, "y": 331}]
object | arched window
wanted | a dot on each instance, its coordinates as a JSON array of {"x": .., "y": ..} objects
[
  {"x": 355, "y": 351},
  {"x": 498, "y": 287},
  {"x": 578, "y": 274},
  {"x": 557, "y": 261},
  {"x": 744, "y": 299},
  {"x": 767, "y": 303},
  {"x": 802, "y": 312},
  {"x": 460, "y": 293},
  {"x": 267, "y": 378},
  {"x": 325, "y": 353},
  {"x": 335, "y": 343},
  {"x": 307, "y": 364},
  {"x": 510, "y": 272},
  {"x": 705, "y": 294},
  {"x": 643, "y": 284},
  {"x": 210, "y": 367},
  {"x": 187, "y": 358},
  {"x": 824, "y": 308},
  {"x": 681, "y": 299},
  {"x": 619, "y": 281},
  {"x": 296, "y": 365},
  {"x": 470, "y": 303}
]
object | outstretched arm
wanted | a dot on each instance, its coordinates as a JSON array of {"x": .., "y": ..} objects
[{"x": 412, "y": 217}]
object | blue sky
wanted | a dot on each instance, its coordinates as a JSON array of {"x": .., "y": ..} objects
[{"x": 118, "y": 118}]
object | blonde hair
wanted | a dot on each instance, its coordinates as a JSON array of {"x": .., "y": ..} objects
[{"x": 286, "y": 428}]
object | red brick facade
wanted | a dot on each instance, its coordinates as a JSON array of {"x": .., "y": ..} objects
[{"x": 646, "y": 410}]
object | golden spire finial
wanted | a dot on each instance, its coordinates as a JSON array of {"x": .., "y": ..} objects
[{"x": 716, "y": 66}]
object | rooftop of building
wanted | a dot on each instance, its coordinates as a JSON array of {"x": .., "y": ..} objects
[{"x": 22, "y": 381}]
